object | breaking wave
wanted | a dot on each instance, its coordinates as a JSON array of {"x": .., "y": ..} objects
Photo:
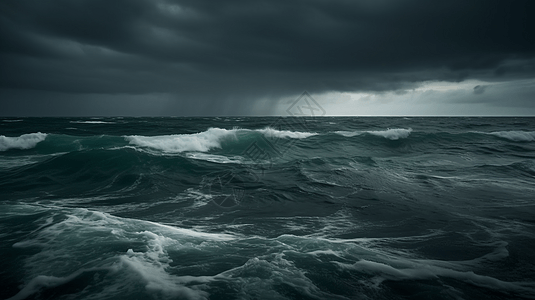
[
  {"x": 25, "y": 141},
  {"x": 270, "y": 132},
  {"x": 516, "y": 136},
  {"x": 391, "y": 134},
  {"x": 212, "y": 138},
  {"x": 91, "y": 122}
]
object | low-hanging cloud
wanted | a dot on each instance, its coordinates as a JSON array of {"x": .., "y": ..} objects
[
  {"x": 204, "y": 55},
  {"x": 479, "y": 89}
]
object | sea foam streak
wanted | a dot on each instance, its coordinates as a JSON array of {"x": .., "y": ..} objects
[
  {"x": 147, "y": 262},
  {"x": 25, "y": 141},
  {"x": 206, "y": 140}
]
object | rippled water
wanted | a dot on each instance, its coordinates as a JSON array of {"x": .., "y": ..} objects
[{"x": 267, "y": 208}]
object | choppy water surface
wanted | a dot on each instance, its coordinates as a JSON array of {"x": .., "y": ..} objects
[{"x": 267, "y": 208}]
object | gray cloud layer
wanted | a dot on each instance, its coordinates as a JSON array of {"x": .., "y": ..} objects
[{"x": 205, "y": 54}]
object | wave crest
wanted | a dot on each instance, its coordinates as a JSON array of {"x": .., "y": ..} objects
[
  {"x": 201, "y": 142},
  {"x": 348, "y": 133},
  {"x": 25, "y": 141},
  {"x": 391, "y": 134},
  {"x": 207, "y": 140},
  {"x": 91, "y": 122},
  {"x": 270, "y": 132},
  {"x": 516, "y": 136}
]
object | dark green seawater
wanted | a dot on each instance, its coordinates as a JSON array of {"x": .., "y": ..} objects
[{"x": 267, "y": 208}]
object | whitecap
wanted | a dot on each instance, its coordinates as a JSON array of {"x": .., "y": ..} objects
[
  {"x": 91, "y": 122},
  {"x": 201, "y": 142},
  {"x": 206, "y": 140},
  {"x": 25, "y": 141},
  {"x": 270, "y": 132},
  {"x": 348, "y": 133},
  {"x": 516, "y": 136},
  {"x": 392, "y": 134}
]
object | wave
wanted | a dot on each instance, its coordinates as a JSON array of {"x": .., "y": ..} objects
[
  {"x": 25, "y": 141},
  {"x": 202, "y": 142},
  {"x": 134, "y": 251},
  {"x": 348, "y": 133},
  {"x": 212, "y": 138},
  {"x": 391, "y": 134},
  {"x": 91, "y": 122},
  {"x": 215, "y": 158},
  {"x": 270, "y": 132},
  {"x": 516, "y": 136},
  {"x": 427, "y": 271}
]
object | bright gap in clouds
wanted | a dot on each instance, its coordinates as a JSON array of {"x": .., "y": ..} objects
[{"x": 433, "y": 98}]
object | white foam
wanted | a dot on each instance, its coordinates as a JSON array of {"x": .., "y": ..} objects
[
  {"x": 148, "y": 265},
  {"x": 25, "y": 141},
  {"x": 392, "y": 134},
  {"x": 151, "y": 267},
  {"x": 270, "y": 132},
  {"x": 91, "y": 122},
  {"x": 259, "y": 275},
  {"x": 196, "y": 234},
  {"x": 13, "y": 120},
  {"x": 215, "y": 158},
  {"x": 202, "y": 142},
  {"x": 325, "y": 252},
  {"x": 206, "y": 140},
  {"x": 516, "y": 136},
  {"x": 348, "y": 133}
]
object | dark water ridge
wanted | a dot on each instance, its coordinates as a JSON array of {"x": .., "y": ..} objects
[{"x": 267, "y": 208}]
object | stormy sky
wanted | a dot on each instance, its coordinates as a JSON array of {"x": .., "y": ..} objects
[{"x": 198, "y": 57}]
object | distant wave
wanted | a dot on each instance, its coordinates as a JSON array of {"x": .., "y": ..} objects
[
  {"x": 25, "y": 141},
  {"x": 91, "y": 122},
  {"x": 209, "y": 139},
  {"x": 349, "y": 133},
  {"x": 202, "y": 141},
  {"x": 11, "y": 120},
  {"x": 391, "y": 134},
  {"x": 270, "y": 132},
  {"x": 516, "y": 136}
]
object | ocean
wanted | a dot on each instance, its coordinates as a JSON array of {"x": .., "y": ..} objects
[{"x": 267, "y": 208}]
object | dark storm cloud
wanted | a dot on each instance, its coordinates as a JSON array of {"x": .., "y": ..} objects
[{"x": 214, "y": 51}]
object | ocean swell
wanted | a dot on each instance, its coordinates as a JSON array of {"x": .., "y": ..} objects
[
  {"x": 391, "y": 134},
  {"x": 210, "y": 139},
  {"x": 25, "y": 141},
  {"x": 516, "y": 136}
]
